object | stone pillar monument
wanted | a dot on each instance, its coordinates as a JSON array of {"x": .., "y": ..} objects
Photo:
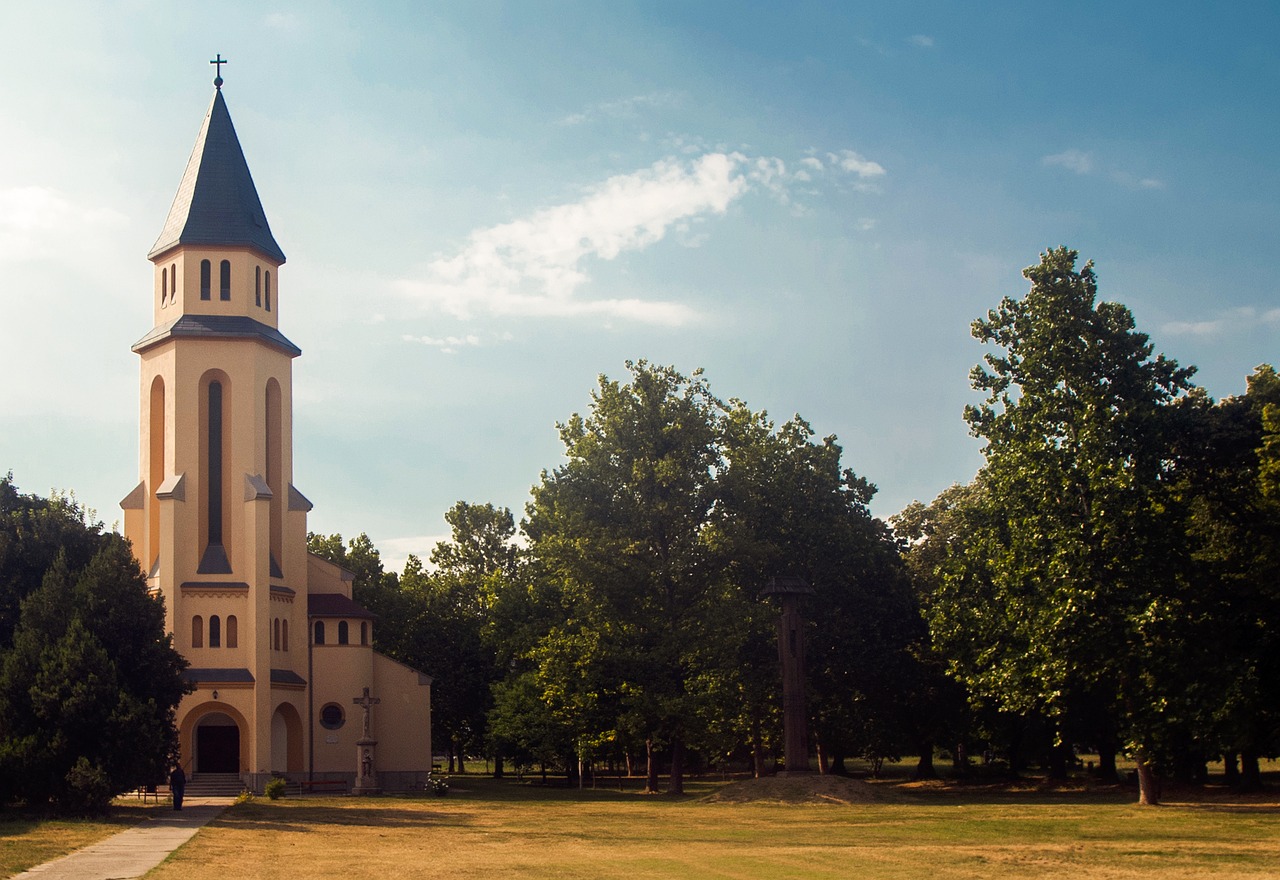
[
  {"x": 366, "y": 772},
  {"x": 791, "y": 654}
]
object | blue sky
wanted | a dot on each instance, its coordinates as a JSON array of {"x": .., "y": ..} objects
[{"x": 486, "y": 205}]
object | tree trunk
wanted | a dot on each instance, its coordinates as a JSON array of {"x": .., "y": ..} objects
[
  {"x": 757, "y": 746},
  {"x": 676, "y": 784},
  {"x": 1058, "y": 761},
  {"x": 1250, "y": 772},
  {"x": 924, "y": 766},
  {"x": 497, "y": 767},
  {"x": 1107, "y": 764},
  {"x": 630, "y": 769},
  {"x": 651, "y": 768},
  {"x": 1230, "y": 770},
  {"x": 960, "y": 761},
  {"x": 1148, "y": 783},
  {"x": 822, "y": 755}
]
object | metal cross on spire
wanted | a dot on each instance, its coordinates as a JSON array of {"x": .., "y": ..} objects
[{"x": 219, "y": 61}]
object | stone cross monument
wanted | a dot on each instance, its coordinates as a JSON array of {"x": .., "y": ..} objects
[{"x": 366, "y": 775}]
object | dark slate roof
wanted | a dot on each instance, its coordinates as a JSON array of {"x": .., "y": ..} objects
[
  {"x": 335, "y": 605},
  {"x": 217, "y": 203},
  {"x": 217, "y": 676},
  {"x": 217, "y": 327},
  {"x": 286, "y": 676}
]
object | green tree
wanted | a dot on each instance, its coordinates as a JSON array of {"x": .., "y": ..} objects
[
  {"x": 619, "y": 528},
  {"x": 1233, "y": 530},
  {"x": 1086, "y": 578},
  {"x": 89, "y": 687}
]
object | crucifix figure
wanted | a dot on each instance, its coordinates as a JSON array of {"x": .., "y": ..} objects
[
  {"x": 218, "y": 62},
  {"x": 367, "y": 702}
]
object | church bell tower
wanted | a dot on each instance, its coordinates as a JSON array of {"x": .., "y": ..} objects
[{"x": 215, "y": 520}]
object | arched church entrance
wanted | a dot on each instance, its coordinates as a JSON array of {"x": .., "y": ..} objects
[
  {"x": 217, "y": 743},
  {"x": 286, "y": 739}
]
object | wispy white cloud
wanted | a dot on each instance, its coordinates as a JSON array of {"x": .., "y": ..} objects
[
  {"x": 36, "y": 220},
  {"x": 1230, "y": 321},
  {"x": 921, "y": 41},
  {"x": 446, "y": 344},
  {"x": 282, "y": 21},
  {"x": 1073, "y": 160},
  {"x": 625, "y": 108},
  {"x": 536, "y": 266},
  {"x": 1083, "y": 163}
]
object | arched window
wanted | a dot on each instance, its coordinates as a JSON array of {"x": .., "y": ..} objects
[
  {"x": 224, "y": 279},
  {"x": 155, "y": 437},
  {"x": 257, "y": 286},
  {"x": 173, "y": 281},
  {"x": 364, "y": 632},
  {"x": 233, "y": 634},
  {"x": 197, "y": 632},
  {"x": 275, "y": 634},
  {"x": 268, "y": 290},
  {"x": 215, "y": 557},
  {"x": 342, "y": 632},
  {"x": 206, "y": 281},
  {"x": 319, "y": 632},
  {"x": 215, "y": 631},
  {"x": 164, "y": 285},
  {"x": 284, "y": 635}
]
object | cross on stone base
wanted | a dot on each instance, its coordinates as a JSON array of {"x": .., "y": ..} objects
[{"x": 366, "y": 774}]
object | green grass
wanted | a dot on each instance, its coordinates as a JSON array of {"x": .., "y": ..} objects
[{"x": 486, "y": 828}]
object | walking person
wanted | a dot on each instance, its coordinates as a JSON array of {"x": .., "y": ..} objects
[{"x": 177, "y": 785}]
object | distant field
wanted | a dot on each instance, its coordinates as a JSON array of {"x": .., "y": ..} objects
[{"x": 488, "y": 828}]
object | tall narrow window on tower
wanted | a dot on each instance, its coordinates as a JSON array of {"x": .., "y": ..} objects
[
  {"x": 206, "y": 279},
  {"x": 213, "y": 421},
  {"x": 224, "y": 279},
  {"x": 155, "y": 471},
  {"x": 257, "y": 286},
  {"x": 268, "y": 290},
  {"x": 275, "y": 473}
]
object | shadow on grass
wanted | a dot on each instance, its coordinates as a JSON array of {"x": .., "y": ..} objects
[
  {"x": 312, "y": 819},
  {"x": 17, "y": 821}
]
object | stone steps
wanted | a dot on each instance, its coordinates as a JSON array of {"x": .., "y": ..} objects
[{"x": 214, "y": 785}]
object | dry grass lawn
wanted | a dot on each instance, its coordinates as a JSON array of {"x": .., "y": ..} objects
[
  {"x": 26, "y": 842},
  {"x": 487, "y": 828}
]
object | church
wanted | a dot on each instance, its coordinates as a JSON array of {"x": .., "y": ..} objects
[{"x": 286, "y": 681}]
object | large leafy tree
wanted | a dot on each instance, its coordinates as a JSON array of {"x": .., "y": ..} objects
[
  {"x": 1085, "y": 581},
  {"x": 1233, "y": 530},
  {"x": 89, "y": 686},
  {"x": 619, "y": 529}
]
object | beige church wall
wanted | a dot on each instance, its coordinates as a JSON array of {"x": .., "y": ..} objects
[
  {"x": 243, "y": 262},
  {"x": 404, "y": 734},
  {"x": 324, "y": 576},
  {"x": 339, "y": 675},
  {"x": 206, "y": 604},
  {"x": 288, "y": 732}
]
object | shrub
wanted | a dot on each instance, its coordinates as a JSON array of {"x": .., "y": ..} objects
[{"x": 274, "y": 789}]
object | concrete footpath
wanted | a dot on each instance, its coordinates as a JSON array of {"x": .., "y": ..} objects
[{"x": 134, "y": 852}]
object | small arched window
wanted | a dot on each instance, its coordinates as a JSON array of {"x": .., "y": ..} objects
[
  {"x": 215, "y": 631},
  {"x": 197, "y": 632},
  {"x": 275, "y": 634},
  {"x": 224, "y": 279},
  {"x": 164, "y": 285},
  {"x": 257, "y": 286},
  {"x": 364, "y": 632},
  {"x": 342, "y": 632},
  {"x": 173, "y": 281},
  {"x": 284, "y": 635},
  {"x": 206, "y": 276},
  {"x": 268, "y": 290},
  {"x": 233, "y": 632},
  {"x": 319, "y": 632}
]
